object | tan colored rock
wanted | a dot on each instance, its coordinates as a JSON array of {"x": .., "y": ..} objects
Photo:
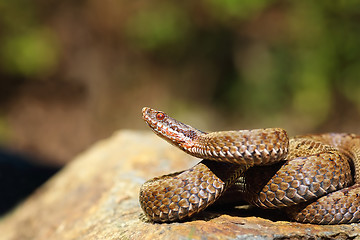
[{"x": 96, "y": 197}]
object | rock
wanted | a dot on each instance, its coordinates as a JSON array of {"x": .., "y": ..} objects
[{"x": 96, "y": 197}]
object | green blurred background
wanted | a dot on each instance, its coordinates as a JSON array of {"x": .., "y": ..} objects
[{"x": 73, "y": 72}]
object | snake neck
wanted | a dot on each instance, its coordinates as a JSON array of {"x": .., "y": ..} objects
[{"x": 184, "y": 138}]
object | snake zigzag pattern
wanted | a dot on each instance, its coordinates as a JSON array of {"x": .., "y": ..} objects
[{"x": 315, "y": 178}]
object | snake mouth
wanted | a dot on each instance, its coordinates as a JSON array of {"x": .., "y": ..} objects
[{"x": 147, "y": 114}]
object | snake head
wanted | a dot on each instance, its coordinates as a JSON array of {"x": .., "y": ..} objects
[{"x": 173, "y": 131}]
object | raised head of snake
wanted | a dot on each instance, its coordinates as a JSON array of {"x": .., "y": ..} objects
[{"x": 173, "y": 131}]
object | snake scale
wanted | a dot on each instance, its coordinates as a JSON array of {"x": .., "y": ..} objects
[{"x": 314, "y": 178}]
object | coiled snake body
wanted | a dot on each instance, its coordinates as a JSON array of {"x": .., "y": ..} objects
[{"x": 315, "y": 178}]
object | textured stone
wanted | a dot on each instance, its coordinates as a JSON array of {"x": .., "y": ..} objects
[{"x": 96, "y": 197}]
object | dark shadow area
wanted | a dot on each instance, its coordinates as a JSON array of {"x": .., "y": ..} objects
[
  {"x": 245, "y": 211},
  {"x": 19, "y": 177}
]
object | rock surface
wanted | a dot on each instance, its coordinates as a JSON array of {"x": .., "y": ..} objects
[{"x": 96, "y": 197}]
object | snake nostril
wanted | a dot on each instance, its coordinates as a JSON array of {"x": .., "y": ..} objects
[{"x": 145, "y": 109}]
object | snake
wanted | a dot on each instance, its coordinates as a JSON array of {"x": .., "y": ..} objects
[{"x": 313, "y": 178}]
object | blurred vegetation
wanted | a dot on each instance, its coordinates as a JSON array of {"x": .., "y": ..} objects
[{"x": 213, "y": 64}]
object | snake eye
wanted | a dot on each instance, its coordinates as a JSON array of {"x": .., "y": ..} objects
[{"x": 160, "y": 116}]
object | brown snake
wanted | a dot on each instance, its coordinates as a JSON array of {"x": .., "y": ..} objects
[{"x": 315, "y": 178}]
